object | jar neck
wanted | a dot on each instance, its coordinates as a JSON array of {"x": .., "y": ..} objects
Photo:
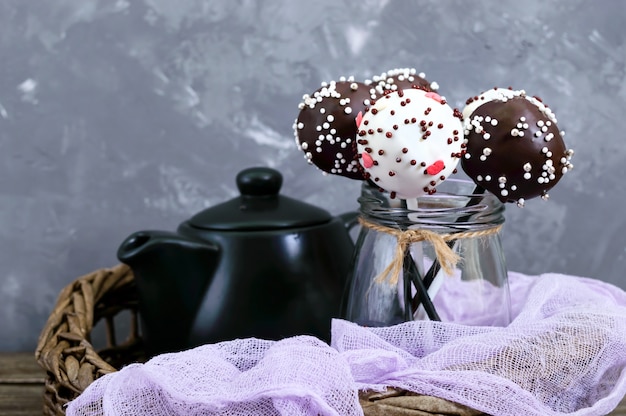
[{"x": 456, "y": 206}]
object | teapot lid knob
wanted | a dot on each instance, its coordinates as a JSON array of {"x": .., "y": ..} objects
[
  {"x": 260, "y": 207},
  {"x": 259, "y": 181}
]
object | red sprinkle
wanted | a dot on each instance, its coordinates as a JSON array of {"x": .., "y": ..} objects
[
  {"x": 359, "y": 119},
  {"x": 435, "y": 168},
  {"x": 368, "y": 162},
  {"x": 434, "y": 96}
]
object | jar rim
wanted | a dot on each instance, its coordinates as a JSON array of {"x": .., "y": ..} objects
[{"x": 457, "y": 204}]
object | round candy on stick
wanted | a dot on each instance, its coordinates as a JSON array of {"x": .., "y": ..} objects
[
  {"x": 409, "y": 141},
  {"x": 325, "y": 129},
  {"x": 514, "y": 147},
  {"x": 399, "y": 79}
]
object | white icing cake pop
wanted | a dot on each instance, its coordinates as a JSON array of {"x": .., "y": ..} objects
[{"x": 409, "y": 141}]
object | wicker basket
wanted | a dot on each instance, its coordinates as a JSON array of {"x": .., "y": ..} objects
[{"x": 72, "y": 363}]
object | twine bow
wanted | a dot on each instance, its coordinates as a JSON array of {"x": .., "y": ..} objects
[{"x": 444, "y": 254}]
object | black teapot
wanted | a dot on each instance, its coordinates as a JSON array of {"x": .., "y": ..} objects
[{"x": 260, "y": 265}]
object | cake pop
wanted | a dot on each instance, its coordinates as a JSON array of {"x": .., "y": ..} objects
[
  {"x": 399, "y": 79},
  {"x": 325, "y": 129},
  {"x": 514, "y": 147},
  {"x": 409, "y": 141}
]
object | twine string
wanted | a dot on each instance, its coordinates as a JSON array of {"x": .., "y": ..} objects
[{"x": 444, "y": 254}]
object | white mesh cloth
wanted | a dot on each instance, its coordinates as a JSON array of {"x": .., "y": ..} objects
[{"x": 563, "y": 354}]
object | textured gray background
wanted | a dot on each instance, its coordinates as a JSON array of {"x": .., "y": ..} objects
[{"x": 122, "y": 115}]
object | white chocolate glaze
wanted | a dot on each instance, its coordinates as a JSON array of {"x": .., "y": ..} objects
[{"x": 410, "y": 141}]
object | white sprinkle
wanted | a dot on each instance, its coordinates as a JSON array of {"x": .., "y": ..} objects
[
  {"x": 540, "y": 123},
  {"x": 483, "y": 158},
  {"x": 300, "y": 126},
  {"x": 527, "y": 175},
  {"x": 486, "y": 136},
  {"x": 513, "y": 188},
  {"x": 522, "y": 119},
  {"x": 494, "y": 122},
  {"x": 479, "y": 178},
  {"x": 504, "y": 192},
  {"x": 488, "y": 178},
  {"x": 318, "y": 128},
  {"x": 544, "y": 150},
  {"x": 486, "y": 151},
  {"x": 330, "y": 118},
  {"x": 347, "y": 110},
  {"x": 527, "y": 167}
]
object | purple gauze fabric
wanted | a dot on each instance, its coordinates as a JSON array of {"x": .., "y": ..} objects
[{"x": 563, "y": 354}]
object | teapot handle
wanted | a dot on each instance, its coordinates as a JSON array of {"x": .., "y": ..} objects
[{"x": 350, "y": 219}]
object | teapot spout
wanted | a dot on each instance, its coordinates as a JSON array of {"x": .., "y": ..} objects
[{"x": 172, "y": 273}]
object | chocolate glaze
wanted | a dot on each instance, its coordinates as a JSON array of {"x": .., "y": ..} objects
[
  {"x": 335, "y": 151},
  {"x": 515, "y": 167}
]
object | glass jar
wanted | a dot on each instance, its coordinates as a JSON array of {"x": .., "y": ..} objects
[{"x": 446, "y": 245}]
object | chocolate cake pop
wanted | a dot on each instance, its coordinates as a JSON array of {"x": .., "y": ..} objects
[
  {"x": 325, "y": 129},
  {"x": 399, "y": 79},
  {"x": 514, "y": 147},
  {"x": 409, "y": 141}
]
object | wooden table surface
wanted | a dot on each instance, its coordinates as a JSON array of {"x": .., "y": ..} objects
[{"x": 21, "y": 386}]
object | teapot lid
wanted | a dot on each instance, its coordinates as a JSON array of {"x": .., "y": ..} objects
[{"x": 259, "y": 207}]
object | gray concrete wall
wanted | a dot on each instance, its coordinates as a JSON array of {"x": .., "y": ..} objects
[{"x": 121, "y": 115}]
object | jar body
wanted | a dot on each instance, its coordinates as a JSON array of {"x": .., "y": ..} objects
[{"x": 476, "y": 290}]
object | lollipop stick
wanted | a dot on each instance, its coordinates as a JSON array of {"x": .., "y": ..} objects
[
  {"x": 408, "y": 296},
  {"x": 412, "y": 274},
  {"x": 434, "y": 269}
]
